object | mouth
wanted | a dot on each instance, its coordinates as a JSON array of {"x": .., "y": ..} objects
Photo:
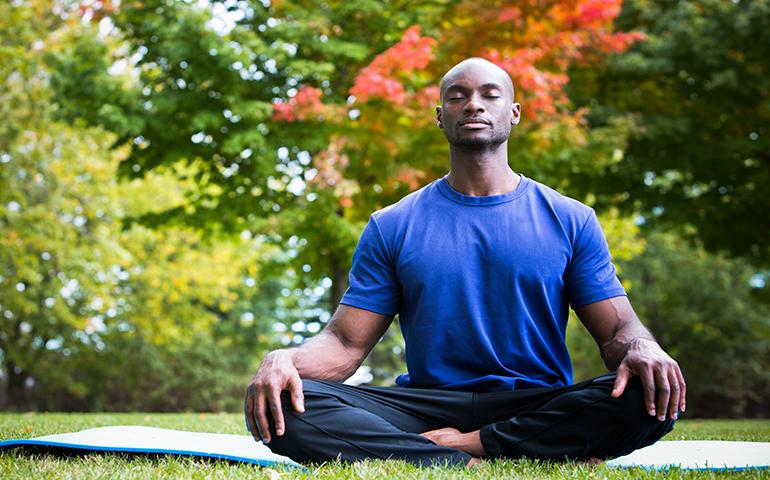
[{"x": 474, "y": 123}]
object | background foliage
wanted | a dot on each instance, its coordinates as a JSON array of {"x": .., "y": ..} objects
[{"x": 182, "y": 184}]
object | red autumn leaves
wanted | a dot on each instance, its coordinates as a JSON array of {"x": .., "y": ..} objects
[{"x": 535, "y": 42}]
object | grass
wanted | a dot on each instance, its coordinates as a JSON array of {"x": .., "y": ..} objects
[{"x": 29, "y": 464}]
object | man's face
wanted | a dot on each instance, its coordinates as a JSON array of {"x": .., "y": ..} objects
[{"x": 477, "y": 107}]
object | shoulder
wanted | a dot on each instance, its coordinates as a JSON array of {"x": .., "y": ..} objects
[
  {"x": 563, "y": 206},
  {"x": 569, "y": 214},
  {"x": 395, "y": 221}
]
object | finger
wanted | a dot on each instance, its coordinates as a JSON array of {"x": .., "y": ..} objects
[
  {"x": 264, "y": 426},
  {"x": 248, "y": 411},
  {"x": 662, "y": 394},
  {"x": 297, "y": 395},
  {"x": 648, "y": 387},
  {"x": 673, "y": 401},
  {"x": 682, "y": 390},
  {"x": 621, "y": 379},
  {"x": 276, "y": 410}
]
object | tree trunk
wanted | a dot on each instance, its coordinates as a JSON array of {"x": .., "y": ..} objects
[
  {"x": 15, "y": 392},
  {"x": 339, "y": 283}
]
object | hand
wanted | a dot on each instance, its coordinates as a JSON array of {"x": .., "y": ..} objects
[
  {"x": 275, "y": 374},
  {"x": 662, "y": 380}
]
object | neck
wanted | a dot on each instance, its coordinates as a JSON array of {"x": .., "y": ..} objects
[{"x": 481, "y": 172}]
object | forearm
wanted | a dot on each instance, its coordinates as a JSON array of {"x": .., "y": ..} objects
[
  {"x": 337, "y": 351},
  {"x": 629, "y": 349},
  {"x": 324, "y": 357},
  {"x": 616, "y": 328}
]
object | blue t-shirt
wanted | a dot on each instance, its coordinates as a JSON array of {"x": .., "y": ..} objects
[{"x": 482, "y": 285}]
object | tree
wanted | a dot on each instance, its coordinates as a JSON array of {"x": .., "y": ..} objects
[
  {"x": 285, "y": 114},
  {"x": 97, "y": 313},
  {"x": 385, "y": 143},
  {"x": 701, "y": 309},
  {"x": 296, "y": 126},
  {"x": 696, "y": 94},
  {"x": 50, "y": 236}
]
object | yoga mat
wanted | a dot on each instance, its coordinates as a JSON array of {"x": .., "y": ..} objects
[
  {"x": 698, "y": 455},
  {"x": 134, "y": 439},
  {"x": 688, "y": 455}
]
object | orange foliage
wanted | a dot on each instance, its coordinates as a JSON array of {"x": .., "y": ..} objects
[
  {"x": 380, "y": 78},
  {"x": 330, "y": 163},
  {"x": 409, "y": 176},
  {"x": 427, "y": 97},
  {"x": 536, "y": 42},
  {"x": 95, "y": 10},
  {"x": 305, "y": 105}
]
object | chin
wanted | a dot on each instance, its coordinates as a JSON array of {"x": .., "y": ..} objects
[
  {"x": 480, "y": 141},
  {"x": 476, "y": 142}
]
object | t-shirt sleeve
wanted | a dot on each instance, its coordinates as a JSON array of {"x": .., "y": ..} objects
[
  {"x": 373, "y": 282},
  {"x": 591, "y": 275}
]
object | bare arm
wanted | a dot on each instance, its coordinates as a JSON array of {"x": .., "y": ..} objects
[
  {"x": 334, "y": 354},
  {"x": 340, "y": 348},
  {"x": 614, "y": 325},
  {"x": 629, "y": 348}
]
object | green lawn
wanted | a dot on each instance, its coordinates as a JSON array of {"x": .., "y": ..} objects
[{"x": 16, "y": 464}]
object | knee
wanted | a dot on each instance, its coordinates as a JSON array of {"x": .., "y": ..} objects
[
  {"x": 312, "y": 391},
  {"x": 287, "y": 443},
  {"x": 315, "y": 395},
  {"x": 315, "y": 386},
  {"x": 296, "y": 431},
  {"x": 632, "y": 416},
  {"x": 634, "y": 403}
]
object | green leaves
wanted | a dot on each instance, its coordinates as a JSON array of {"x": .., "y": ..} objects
[
  {"x": 696, "y": 92},
  {"x": 178, "y": 180}
]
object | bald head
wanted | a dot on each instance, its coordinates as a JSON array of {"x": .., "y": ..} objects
[
  {"x": 477, "y": 108},
  {"x": 480, "y": 66}
]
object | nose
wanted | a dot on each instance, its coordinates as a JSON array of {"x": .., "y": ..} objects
[{"x": 474, "y": 104}]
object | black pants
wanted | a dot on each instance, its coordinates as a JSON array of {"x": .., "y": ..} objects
[{"x": 576, "y": 422}]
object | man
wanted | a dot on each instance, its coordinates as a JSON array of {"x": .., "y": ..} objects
[{"x": 481, "y": 266}]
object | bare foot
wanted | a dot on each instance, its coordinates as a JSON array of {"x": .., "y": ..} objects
[
  {"x": 473, "y": 462},
  {"x": 442, "y": 436},
  {"x": 453, "y": 438}
]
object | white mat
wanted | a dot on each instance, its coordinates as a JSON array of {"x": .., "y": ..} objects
[
  {"x": 694, "y": 454},
  {"x": 242, "y": 448},
  {"x": 698, "y": 455}
]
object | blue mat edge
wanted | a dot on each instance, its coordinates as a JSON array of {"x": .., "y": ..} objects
[
  {"x": 8, "y": 444},
  {"x": 699, "y": 469}
]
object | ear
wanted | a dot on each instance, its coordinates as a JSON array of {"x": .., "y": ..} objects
[
  {"x": 515, "y": 113},
  {"x": 438, "y": 117}
]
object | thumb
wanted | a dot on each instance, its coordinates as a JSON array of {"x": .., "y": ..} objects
[
  {"x": 621, "y": 379},
  {"x": 297, "y": 395}
]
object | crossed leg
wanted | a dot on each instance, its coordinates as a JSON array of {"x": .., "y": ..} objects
[
  {"x": 577, "y": 422},
  {"x": 354, "y": 423}
]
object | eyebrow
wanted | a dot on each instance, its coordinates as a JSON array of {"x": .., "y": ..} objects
[{"x": 456, "y": 86}]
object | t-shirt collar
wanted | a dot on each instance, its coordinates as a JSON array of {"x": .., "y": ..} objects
[{"x": 454, "y": 195}]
